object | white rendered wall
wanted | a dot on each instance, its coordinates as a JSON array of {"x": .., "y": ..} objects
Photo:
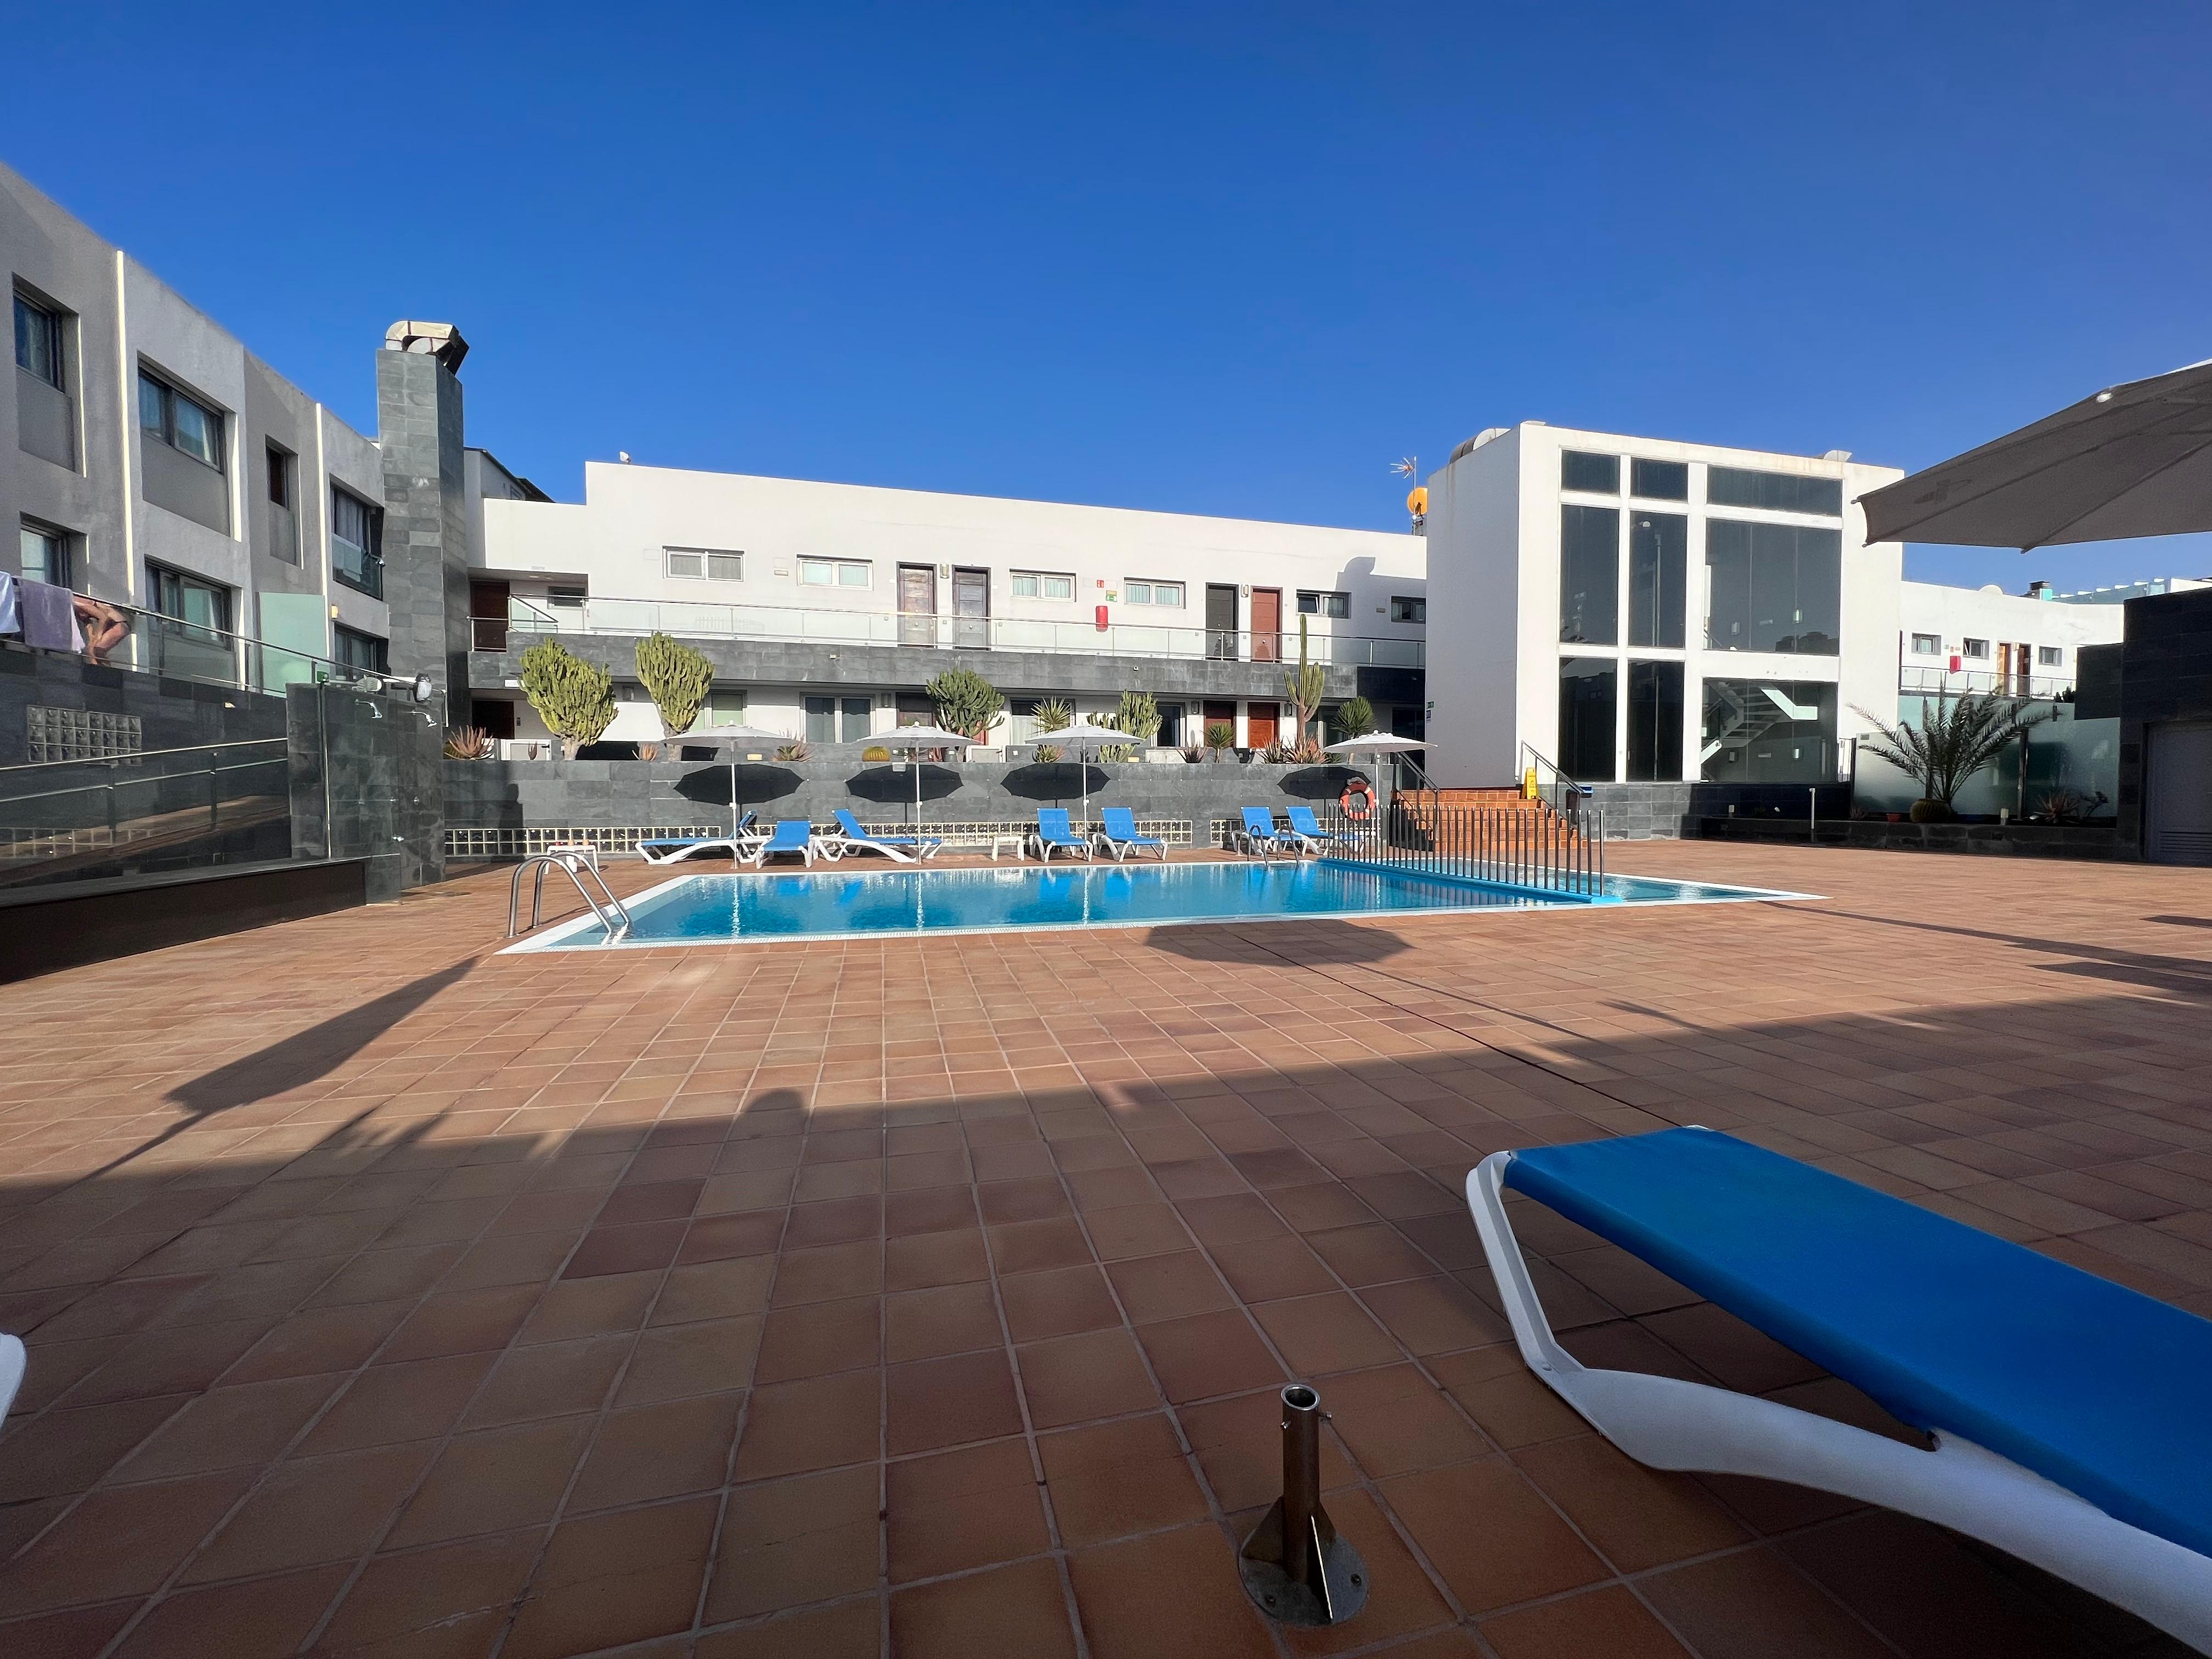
[{"x": 614, "y": 543}]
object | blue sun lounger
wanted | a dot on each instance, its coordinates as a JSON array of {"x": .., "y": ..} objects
[
  {"x": 1054, "y": 834},
  {"x": 1306, "y": 830},
  {"x": 900, "y": 849},
  {"x": 2071, "y": 1417},
  {"x": 1257, "y": 834},
  {"x": 794, "y": 835},
  {"x": 1118, "y": 835}
]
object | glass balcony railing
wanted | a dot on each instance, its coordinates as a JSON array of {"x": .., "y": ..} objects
[
  {"x": 1913, "y": 681},
  {"x": 801, "y": 625},
  {"x": 356, "y": 567}
]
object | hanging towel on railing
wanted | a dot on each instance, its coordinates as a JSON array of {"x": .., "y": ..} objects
[
  {"x": 48, "y": 620},
  {"x": 11, "y": 612}
]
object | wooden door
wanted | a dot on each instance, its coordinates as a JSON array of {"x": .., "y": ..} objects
[
  {"x": 1221, "y": 622},
  {"x": 488, "y": 617},
  {"x": 917, "y": 603},
  {"x": 1266, "y": 624},
  {"x": 971, "y": 608},
  {"x": 1261, "y": 724}
]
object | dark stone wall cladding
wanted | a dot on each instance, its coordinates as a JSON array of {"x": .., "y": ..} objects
[{"x": 523, "y": 794}]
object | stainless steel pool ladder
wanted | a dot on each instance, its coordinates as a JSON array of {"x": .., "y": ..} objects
[{"x": 611, "y": 915}]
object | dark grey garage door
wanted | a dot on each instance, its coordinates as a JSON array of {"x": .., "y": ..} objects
[{"x": 2178, "y": 794}]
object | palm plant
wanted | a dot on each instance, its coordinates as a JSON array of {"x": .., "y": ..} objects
[{"x": 1955, "y": 738}]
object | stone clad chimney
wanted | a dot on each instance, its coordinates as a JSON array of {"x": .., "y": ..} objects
[{"x": 426, "y": 529}]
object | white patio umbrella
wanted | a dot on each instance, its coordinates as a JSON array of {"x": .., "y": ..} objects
[
  {"x": 1084, "y": 739},
  {"x": 1377, "y": 745},
  {"x": 916, "y": 738},
  {"x": 2131, "y": 460},
  {"x": 753, "y": 741}
]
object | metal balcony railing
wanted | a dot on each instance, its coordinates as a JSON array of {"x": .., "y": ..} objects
[
  {"x": 803, "y": 625},
  {"x": 1915, "y": 681}
]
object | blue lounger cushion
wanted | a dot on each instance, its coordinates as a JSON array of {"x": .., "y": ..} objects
[{"x": 2094, "y": 1387}]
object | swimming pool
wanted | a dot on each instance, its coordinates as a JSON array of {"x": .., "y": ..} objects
[{"x": 707, "y": 908}]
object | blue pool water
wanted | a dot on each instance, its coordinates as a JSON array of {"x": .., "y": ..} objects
[{"x": 817, "y": 904}]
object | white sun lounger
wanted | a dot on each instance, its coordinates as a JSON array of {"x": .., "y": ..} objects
[{"x": 2071, "y": 1417}]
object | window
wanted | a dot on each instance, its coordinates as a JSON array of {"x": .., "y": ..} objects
[
  {"x": 1658, "y": 561},
  {"x": 1149, "y": 592},
  {"x": 725, "y": 709},
  {"x": 2050, "y": 656},
  {"x": 1774, "y": 587},
  {"x": 39, "y": 342},
  {"x": 201, "y": 605},
  {"x": 1598, "y": 473},
  {"x": 45, "y": 553},
  {"x": 356, "y": 542},
  {"x": 1768, "y": 732},
  {"x": 1976, "y": 650},
  {"x": 1312, "y": 604},
  {"x": 1655, "y": 722},
  {"x": 280, "y": 475},
  {"x": 704, "y": 562},
  {"x": 1587, "y": 692},
  {"x": 1589, "y": 576},
  {"x": 1779, "y": 492},
  {"x": 184, "y": 423},
  {"x": 1043, "y": 585},
  {"x": 1404, "y": 610},
  {"x": 1927, "y": 645},
  {"x": 833, "y": 573},
  {"x": 357, "y": 650},
  {"x": 1660, "y": 481}
]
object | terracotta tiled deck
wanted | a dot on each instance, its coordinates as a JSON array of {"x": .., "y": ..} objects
[{"x": 387, "y": 1296}]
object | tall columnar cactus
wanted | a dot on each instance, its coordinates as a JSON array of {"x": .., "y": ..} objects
[
  {"x": 677, "y": 678},
  {"x": 966, "y": 701},
  {"x": 1304, "y": 683},
  {"x": 574, "y": 698}
]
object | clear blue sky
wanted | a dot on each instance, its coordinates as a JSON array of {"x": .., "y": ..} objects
[{"x": 1216, "y": 259}]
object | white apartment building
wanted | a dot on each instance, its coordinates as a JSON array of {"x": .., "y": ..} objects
[
  {"x": 829, "y": 605},
  {"x": 148, "y": 460},
  {"x": 1638, "y": 610}
]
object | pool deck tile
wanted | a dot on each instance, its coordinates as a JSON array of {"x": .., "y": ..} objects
[{"x": 389, "y": 1296}]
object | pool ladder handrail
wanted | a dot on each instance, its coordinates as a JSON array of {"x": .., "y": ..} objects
[{"x": 573, "y": 863}]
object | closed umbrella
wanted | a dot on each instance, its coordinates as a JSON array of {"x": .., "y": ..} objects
[
  {"x": 1084, "y": 739},
  {"x": 914, "y": 739},
  {"x": 2134, "y": 459}
]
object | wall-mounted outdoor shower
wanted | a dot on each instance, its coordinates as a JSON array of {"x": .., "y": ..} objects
[{"x": 1295, "y": 1567}]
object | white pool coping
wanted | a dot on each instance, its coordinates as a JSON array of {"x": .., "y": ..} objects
[{"x": 556, "y": 937}]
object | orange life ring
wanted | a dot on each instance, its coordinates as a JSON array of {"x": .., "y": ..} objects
[{"x": 1357, "y": 799}]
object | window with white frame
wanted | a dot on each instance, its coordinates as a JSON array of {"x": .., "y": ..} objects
[
  {"x": 2050, "y": 656},
  {"x": 1927, "y": 645},
  {"x": 1152, "y": 593},
  {"x": 1976, "y": 650},
  {"x": 833, "y": 573},
  {"x": 1043, "y": 585},
  {"x": 1405, "y": 609},
  {"x": 705, "y": 563},
  {"x": 1314, "y": 604}
]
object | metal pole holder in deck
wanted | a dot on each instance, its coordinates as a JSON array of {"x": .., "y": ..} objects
[{"x": 1296, "y": 1569}]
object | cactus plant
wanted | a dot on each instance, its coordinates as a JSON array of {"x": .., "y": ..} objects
[
  {"x": 677, "y": 678},
  {"x": 575, "y": 699}
]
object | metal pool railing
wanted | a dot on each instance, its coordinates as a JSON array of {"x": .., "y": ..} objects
[{"x": 1521, "y": 846}]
